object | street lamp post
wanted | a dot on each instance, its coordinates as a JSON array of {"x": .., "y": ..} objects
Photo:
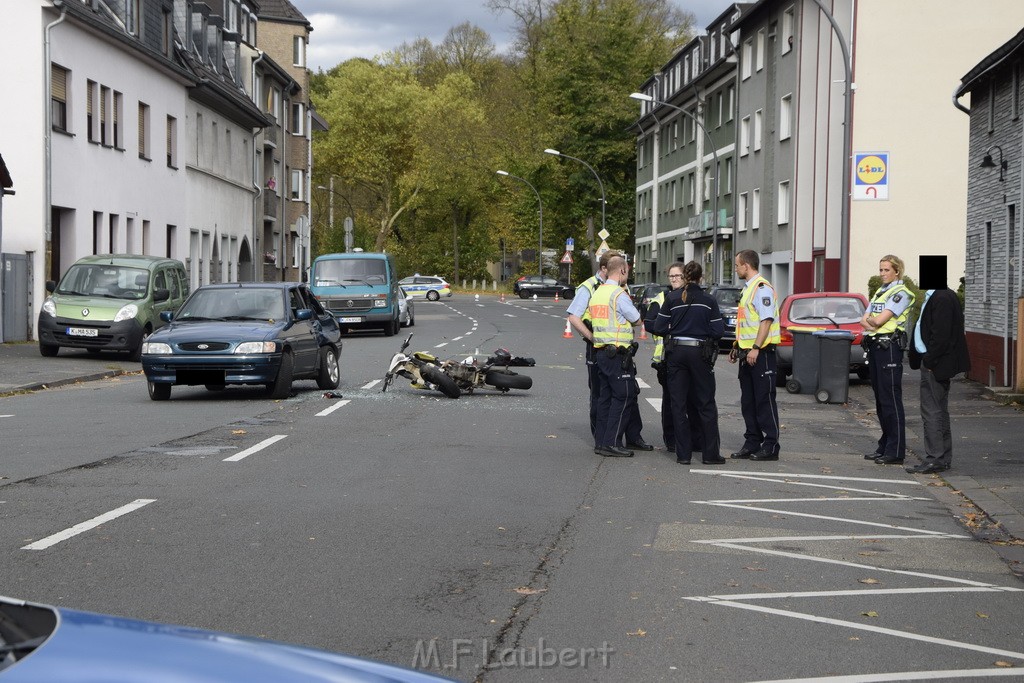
[
  {"x": 540, "y": 232},
  {"x": 599, "y": 183},
  {"x": 349, "y": 224},
  {"x": 714, "y": 204}
]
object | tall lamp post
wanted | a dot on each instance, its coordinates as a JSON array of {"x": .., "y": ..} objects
[
  {"x": 349, "y": 224},
  {"x": 599, "y": 184},
  {"x": 540, "y": 233},
  {"x": 714, "y": 203}
]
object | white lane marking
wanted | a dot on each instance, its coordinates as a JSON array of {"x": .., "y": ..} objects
[
  {"x": 817, "y": 499},
  {"x": 790, "y": 513},
  {"x": 656, "y": 403},
  {"x": 785, "y": 539},
  {"x": 903, "y": 676},
  {"x": 761, "y": 475},
  {"x": 509, "y": 315},
  {"x": 441, "y": 344},
  {"x": 6, "y": 416},
  {"x": 790, "y": 482},
  {"x": 370, "y": 385},
  {"x": 867, "y": 591},
  {"x": 643, "y": 384},
  {"x": 56, "y": 538},
  {"x": 456, "y": 338},
  {"x": 863, "y": 627},
  {"x": 253, "y": 449},
  {"x": 327, "y": 411}
]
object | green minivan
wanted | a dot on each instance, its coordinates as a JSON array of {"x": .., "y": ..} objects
[{"x": 110, "y": 302}]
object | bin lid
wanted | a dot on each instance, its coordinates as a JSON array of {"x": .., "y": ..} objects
[{"x": 835, "y": 334}]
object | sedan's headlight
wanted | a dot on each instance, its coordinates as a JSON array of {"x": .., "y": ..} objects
[
  {"x": 127, "y": 312},
  {"x": 50, "y": 308},
  {"x": 155, "y": 348},
  {"x": 256, "y": 347}
]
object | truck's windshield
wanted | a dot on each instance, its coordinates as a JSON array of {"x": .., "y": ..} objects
[{"x": 331, "y": 272}]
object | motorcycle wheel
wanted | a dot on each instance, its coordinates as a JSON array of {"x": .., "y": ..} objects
[
  {"x": 445, "y": 384},
  {"x": 505, "y": 380}
]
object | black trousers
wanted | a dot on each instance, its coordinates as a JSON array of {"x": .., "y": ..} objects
[
  {"x": 691, "y": 387},
  {"x": 938, "y": 437},
  {"x": 757, "y": 401},
  {"x": 885, "y": 366},
  {"x": 594, "y": 386},
  {"x": 616, "y": 390}
]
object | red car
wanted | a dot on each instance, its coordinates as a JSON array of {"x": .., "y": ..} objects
[{"x": 813, "y": 311}]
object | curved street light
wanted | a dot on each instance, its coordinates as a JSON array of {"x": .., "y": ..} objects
[
  {"x": 714, "y": 232},
  {"x": 599, "y": 184},
  {"x": 540, "y": 234}
]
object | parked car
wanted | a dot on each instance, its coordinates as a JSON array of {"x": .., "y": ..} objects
[
  {"x": 268, "y": 333},
  {"x": 43, "y": 643},
  {"x": 406, "y": 314},
  {"x": 813, "y": 311},
  {"x": 728, "y": 298},
  {"x": 429, "y": 287},
  {"x": 110, "y": 302},
  {"x": 542, "y": 285},
  {"x": 645, "y": 294}
]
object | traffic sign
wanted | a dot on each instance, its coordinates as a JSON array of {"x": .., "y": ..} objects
[
  {"x": 567, "y": 257},
  {"x": 603, "y": 234},
  {"x": 570, "y": 243}
]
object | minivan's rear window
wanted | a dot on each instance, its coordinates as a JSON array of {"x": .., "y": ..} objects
[{"x": 115, "y": 282}]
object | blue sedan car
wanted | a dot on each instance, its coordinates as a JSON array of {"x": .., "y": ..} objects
[
  {"x": 268, "y": 333},
  {"x": 57, "y": 645}
]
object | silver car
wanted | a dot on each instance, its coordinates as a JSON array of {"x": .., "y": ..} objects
[{"x": 406, "y": 314}]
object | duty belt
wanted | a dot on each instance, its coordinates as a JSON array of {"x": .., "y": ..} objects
[{"x": 685, "y": 341}]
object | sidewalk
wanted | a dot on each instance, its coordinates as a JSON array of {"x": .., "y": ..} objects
[{"x": 985, "y": 486}]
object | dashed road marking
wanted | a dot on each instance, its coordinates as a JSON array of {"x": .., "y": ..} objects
[
  {"x": 327, "y": 411},
  {"x": 254, "y": 449},
  {"x": 56, "y": 538}
]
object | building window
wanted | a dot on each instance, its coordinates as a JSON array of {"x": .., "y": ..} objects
[
  {"x": 787, "y": 30},
  {"x": 727, "y": 186},
  {"x": 987, "y": 262},
  {"x": 640, "y": 153},
  {"x": 693, "y": 125},
  {"x": 692, "y": 180},
  {"x": 297, "y": 184},
  {"x": 118, "y": 118},
  {"x": 58, "y": 98},
  {"x": 144, "y": 131},
  {"x": 172, "y": 142},
  {"x": 785, "y": 117},
  {"x": 298, "y": 51},
  {"x": 755, "y": 209},
  {"x": 675, "y": 134},
  {"x": 730, "y": 102},
  {"x": 760, "y": 49},
  {"x": 721, "y": 108},
  {"x": 105, "y": 106},
  {"x": 131, "y": 16},
  {"x": 745, "y": 136},
  {"x": 90, "y": 108},
  {"x": 167, "y": 33},
  {"x": 747, "y": 59},
  {"x": 991, "y": 106},
  {"x": 274, "y": 102},
  {"x": 673, "y": 200},
  {"x": 298, "y": 122},
  {"x": 783, "y": 202},
  {"x": 741, "y": 213},
  {"x": 757, "y": 129}
]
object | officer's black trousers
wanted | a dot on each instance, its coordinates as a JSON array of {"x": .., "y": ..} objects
[
  {"x": 667, "y": 427},
  {"x": 616, "y": 389},
  {"x": 757, "y": 401},
  {"x": 594, "y": 385},
  {"x": 691, "y": 386},
  {"x": 885, "y": 367}
]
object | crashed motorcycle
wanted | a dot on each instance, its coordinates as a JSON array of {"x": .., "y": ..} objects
[
  {"x": 422, "y": 369},
  {"x": 470, "y": 374}
]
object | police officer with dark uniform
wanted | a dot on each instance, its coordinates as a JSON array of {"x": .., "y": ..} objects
[
  {"x": 885, "y": 338},
  {"x": 613, "y": 317},
  {"x": 757, "y": 335},
  {"x": 692, "y": 324}
]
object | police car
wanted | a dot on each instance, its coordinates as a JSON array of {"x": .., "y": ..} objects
[{"x": 428, "y": 287}]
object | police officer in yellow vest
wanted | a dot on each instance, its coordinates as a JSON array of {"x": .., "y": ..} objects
[
  {"x": 613, "y": 317},
  {"x": 757, "y": 335},
  {"x": 885, "y": 338}
]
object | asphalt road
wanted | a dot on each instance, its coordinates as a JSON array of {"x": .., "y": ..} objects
[{"x": 481, "y": 537}]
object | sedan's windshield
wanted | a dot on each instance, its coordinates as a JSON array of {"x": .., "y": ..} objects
[
  {"x": 114, "y": 282},
  {"x": 243, "y": 303}
]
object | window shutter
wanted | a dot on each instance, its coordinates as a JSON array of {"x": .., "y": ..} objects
[
  {"x": 58, "y": 83},
  {"x": 142, "y": 130},
  {"x": 89, "y": 98}
]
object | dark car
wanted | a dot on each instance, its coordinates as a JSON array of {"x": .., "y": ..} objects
[
  {"x": 728, "y": 298},
  {"x": 58, "y": 645},
  {"x": 542, "y": 285},
  {"x": 645, "y": 294},
  {"x": 813, "y": 311},
  {"x": 268, "y": 333}
]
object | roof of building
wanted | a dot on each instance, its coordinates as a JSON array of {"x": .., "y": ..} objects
[
  {"x": 5, "y": 177},
  {"x": 1003, "y": 52},
  {"x": 282, "y": 10}
]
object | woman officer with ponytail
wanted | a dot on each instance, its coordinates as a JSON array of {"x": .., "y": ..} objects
[{"x": 690, "y": 320}]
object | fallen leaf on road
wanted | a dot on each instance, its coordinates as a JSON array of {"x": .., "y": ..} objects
[
  {"x": 1002, "y": 663},
  {"x": 639, "y": 632},
  {"x": 869, "y": 614},
  {"x": 238, "y": 431},
  {"x": 869, "y": 581},
  {"x": 526, "y": 590},
  {"x": 867, "y": 553},
  {"x": 755, "y": 569},
  {"x": 983, "y": 616}
]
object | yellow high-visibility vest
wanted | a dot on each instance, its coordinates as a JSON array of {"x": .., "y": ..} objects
[
  {"x": 659, "y": 342},
  {"x": 878, "y": 305},
  {"x": 607, "y": 328},
  {"x": 591, "y": 283},
  {"x": 747, "y": 321}
]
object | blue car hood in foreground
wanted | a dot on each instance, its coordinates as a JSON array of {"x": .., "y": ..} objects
[
  {"x": 88, "y": 647},
  {"x": 205, "y": 330}
]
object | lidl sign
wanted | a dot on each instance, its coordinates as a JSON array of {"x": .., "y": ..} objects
[{"x": 871, "y": 175}]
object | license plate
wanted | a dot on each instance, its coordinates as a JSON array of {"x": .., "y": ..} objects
[
  {"x": 82, "y": 332},
  {"x": 350, "y": 320},
  {"x": 731, "y": 321}
]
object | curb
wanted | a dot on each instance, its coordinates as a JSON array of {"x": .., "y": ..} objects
[{"x": 63, "y": 382}]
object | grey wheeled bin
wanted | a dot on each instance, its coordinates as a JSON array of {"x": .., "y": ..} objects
[
  {"x": 833, "y": 365},
  {"x": 804, "y": 379}
]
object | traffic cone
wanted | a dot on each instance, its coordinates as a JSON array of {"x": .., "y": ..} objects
[
  {"x": 643, "y": 333},
  {"x": 556, "y": 297},
  {"x": 502, "y": 300},
  {"x": 568, "y": 330}
]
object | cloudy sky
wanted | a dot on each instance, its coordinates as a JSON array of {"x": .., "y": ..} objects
[{"x": 343, "y": 29}]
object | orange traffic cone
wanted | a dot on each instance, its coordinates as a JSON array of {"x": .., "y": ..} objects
[
  {"x": 502, "y": 298},
  {"x": 643, "y": 332},
  {"x": 556, "y": 297},
  {"x": 568, "y": 330}
]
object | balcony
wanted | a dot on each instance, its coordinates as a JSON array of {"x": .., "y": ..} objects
[
  {"x": 270, "y": 201},
  {"x": 271, "y": 136}
]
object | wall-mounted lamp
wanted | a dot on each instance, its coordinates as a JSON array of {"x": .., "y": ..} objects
[{"x": 987, "y": 162}]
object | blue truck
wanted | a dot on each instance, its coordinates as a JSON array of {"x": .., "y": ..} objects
[{"x": 359, "y": 288}]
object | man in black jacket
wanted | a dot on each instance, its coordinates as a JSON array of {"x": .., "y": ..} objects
[{"x": 938, "y": 347}]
